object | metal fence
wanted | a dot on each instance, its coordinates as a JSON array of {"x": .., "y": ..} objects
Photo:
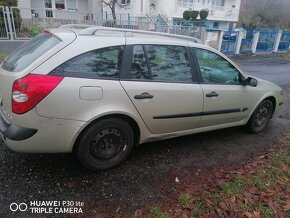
[
  {"x": 229, "y": 42},
  {"x": 284, "y": 44},
  {"x": 3, "y": 24},
  {"x": 25, "y": 23},
  {"x": 28, "y": 22},
  {"x": 267, "y": 40},
  {"x": 247, "y": 42}
]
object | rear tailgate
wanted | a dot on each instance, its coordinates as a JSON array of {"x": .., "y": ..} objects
[{"x": 28, "y": 57}]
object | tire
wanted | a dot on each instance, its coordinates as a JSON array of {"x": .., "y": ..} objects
[
  {"x": 105, "y": 144},
  {"x": 261, "y": 117}
]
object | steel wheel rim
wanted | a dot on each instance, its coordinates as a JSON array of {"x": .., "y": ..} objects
[
  {"x": 108, "y": 143},
  {"x": 262, "y": 115}
]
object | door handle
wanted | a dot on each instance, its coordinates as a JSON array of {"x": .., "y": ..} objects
[
  {"x": 144, "y": 95},
  {"x": 212, "y": 94}
]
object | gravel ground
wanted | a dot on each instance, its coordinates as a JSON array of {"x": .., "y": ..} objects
[{"x": 146, "y": 177}]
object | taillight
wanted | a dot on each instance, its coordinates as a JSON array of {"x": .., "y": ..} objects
[{"x": 28, "y": 91}]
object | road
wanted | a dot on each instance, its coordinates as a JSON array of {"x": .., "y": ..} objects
[
  {"x": 269, "y": 67},
  {"x": 150, "y": 172}
]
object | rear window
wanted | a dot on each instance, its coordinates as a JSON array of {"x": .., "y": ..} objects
[{"x": 29, "y": 52}]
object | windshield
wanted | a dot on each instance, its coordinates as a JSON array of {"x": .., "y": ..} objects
[{"x": 29, "y": 52}]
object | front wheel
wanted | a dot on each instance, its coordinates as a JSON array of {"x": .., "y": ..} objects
[
  {"x": 105, "y": 144},
  {"x": 261, "y": 117}
]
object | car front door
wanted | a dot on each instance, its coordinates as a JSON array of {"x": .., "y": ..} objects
[
  {"x": 226, "y": 100},
  {"x": 159, "y": 81}
]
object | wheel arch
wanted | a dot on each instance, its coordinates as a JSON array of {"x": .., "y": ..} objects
[
  {"x": 269, "y": 97},
  {"x": 132, "y": 122},
  {"x": 274, "y": 102}
]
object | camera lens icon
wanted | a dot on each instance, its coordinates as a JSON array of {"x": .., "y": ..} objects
[{"x": 21, "y": 207}]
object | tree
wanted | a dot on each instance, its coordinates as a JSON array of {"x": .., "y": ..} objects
[
  {"x": 113, "y": 4},
  {"x": 265, "y": 13},
  {"x": 12, "y": 3}
]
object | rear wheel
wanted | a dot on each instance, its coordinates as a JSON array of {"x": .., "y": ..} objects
[
  {"x": 105, "y": 144},
  {"x": 261, "y": 117}
]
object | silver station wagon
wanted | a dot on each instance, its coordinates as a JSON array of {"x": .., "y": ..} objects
[{"x": 99, "y": 91}]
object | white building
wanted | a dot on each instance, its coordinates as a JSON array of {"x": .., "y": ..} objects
[
  {"x": 221, "y": 12},
  {"x": 68, "y": 11}
]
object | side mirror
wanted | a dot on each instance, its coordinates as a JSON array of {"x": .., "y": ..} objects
[{"x": 250, "y": 82}]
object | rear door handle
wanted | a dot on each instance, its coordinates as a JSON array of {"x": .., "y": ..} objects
[
  {"x": 212, "y": 94},
  {"x": 144, "y": 95}
]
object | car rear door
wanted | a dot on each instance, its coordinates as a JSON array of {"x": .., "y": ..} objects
[{"x": 162, "y": 85}]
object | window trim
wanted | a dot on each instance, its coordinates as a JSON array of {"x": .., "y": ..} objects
[
  {"x": 200, "y": 78},
  {"x": 128, "y": 59}
]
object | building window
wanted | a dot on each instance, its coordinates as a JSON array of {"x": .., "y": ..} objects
[
  {"x": 219, "y": 2},
  {"x": 186, "y": 3},
  {"x": 48, "y": 4},
  {"x": 125, "y": 2},
  {"x": 59, "y": 4},
  {"x": 71, "y": 5}
]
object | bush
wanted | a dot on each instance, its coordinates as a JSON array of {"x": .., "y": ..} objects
[
  {"x": 204, "y": 14},
  {"x": 194, "y": 14},
  {"x": 28, "y": 31},
  {"x": 187, "y": 15}
]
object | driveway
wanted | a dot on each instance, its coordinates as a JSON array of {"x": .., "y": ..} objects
[{"x": 150, "y": 172}]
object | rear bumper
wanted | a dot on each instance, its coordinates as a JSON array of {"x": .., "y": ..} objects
[
  {"x": 14, "y": 132},
  {"x": 52, "y": 135}
]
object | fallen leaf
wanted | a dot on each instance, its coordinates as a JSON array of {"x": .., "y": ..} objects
[
  {"x": 253, "y": 190},
  {"x": 284, "y": 167},
  {"x": 233, "y": 199},
  {"x": 287, "y": 207},
  {"x": 184, "y": 215},
  {"x": 257, "y": 214},
  {"x": 224, "y": 207},
  {"x": 138, "y": 212},
  {"x": 176, "y": 180},
  {"x": 247, "y": 214}
]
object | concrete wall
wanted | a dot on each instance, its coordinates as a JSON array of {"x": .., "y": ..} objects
[{"x": 24, "y": 4}]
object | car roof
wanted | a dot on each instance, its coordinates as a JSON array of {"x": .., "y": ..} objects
[{"x": 87, "y": 30}]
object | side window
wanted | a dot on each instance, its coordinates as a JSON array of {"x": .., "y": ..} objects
[
  {"x": 169, "y": 63},
  {"x": 139, "y": 69},
  {"x": 102, "y": 63},
  {"x": 215, "y": 69}
]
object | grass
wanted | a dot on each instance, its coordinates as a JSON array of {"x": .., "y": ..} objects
[
  {"x": 268, "y": 176},
  {"x": 233, "y": 187},
  {"x": 265, "y": 210},
  {"x": 185, "y": 200},
  {"x": 155, "y": 212},
  {"x": 199, "y": 207},
  {"x": 260, "y": 191},
  {"x": 2, "y": 57},
  {"x": 258, "y": 182}
]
